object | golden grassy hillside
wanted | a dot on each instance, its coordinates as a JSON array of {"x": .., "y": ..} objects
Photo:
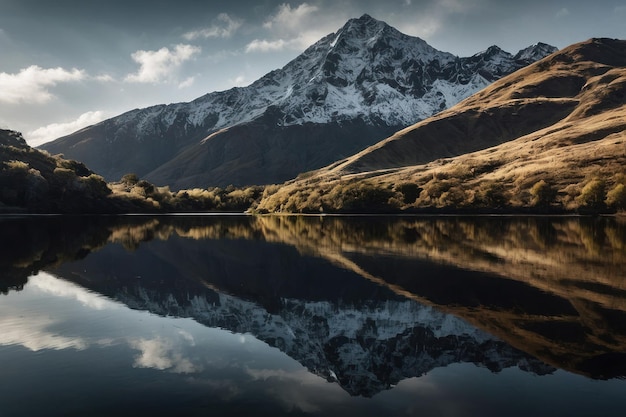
[{"x": 549, "y": 137}]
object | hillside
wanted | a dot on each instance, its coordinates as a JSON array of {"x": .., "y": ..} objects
[
  {"x": 33, "y": 181},
  {"x": 549, "y": 137},
  {"x": 349, "y": 90}
]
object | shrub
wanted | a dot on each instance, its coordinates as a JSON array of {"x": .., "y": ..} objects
[
  {"x": 435, "y": 188},
  {"x": 96, "y": 185},
  {"x": 77, "y": 167},
  {"x": 410, "y": 192},
  {"x": 454, "y": 197},
  {"x": 616, "y": 197},
  {"x": 17, "y": 165},
  {"x": 492, "y": 195},
  {"x": 148, "y": 187},
  {"x": 360, "y": 196},
  {"x": 592, "y": 195},
  {"x": 130, "y": 179},
  {"x": 542, "y": 194}
]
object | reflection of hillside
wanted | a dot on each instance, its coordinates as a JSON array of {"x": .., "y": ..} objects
[
  {"x": 30, "y": 244},
  {"x": 580, "y": 262}
]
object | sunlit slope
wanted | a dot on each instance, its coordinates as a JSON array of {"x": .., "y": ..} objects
[{"x": 561, "y": 120}]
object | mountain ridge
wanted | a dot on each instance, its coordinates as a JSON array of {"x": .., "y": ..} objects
[
  {"x": 557, "y": 125},
  {"x": 367, "y": 75}
]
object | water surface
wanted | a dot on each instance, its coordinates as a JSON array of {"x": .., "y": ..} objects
[{"x": 313, "y": 316}]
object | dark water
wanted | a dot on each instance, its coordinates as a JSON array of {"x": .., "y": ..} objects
[{"x": 367, "y": 316}]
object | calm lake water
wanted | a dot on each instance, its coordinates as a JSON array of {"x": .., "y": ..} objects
[{"x": 321, "y": 316}]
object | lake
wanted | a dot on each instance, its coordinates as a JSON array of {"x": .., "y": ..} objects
[{"x": 320, "y": 316}]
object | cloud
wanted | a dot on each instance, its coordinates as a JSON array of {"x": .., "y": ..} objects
[
  {"x": 288, "y": 388},
  {"x": 286, "y": 28},
  {"x": 224, "y": 27},
  {"x": 56, "y": 130},
  {"x": 104, "y": 78},
  {"x": 423, "y": 28},
  {"x": 31, "y": 85},
  {"x": 160, "y": 354},
  {"x": 32, "y": 333},
  {"x": 159, "y": 66},
  {"x": 562, "y": 13},
  {"x": 60, "y": 288},
  {"x": 188, "y": 82},
  {"x": 238, "y": 81},
  {"x": 289, "y": 18},
  {"x": 263, "y": 45}
]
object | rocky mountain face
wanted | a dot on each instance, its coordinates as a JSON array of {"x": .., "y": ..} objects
[{"x": 347, "y": 91}]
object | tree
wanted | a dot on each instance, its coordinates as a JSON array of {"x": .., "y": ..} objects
[
  {"x": 410, "y": 192},
  {"x": 593, "y": 194},
  {"x": 130, "y": 179},
  {"x": 493, "y": 195},
  {"x": 542, "y": 194},
  {"x": 616, "y": 197}
]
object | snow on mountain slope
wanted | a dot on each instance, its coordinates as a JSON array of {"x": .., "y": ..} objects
[
  {"x": 366, "y": 73},
  {"x": 366, "y": 348},
  {"x": 365, "y": 70}
]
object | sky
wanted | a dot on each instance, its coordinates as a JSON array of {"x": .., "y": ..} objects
[{"x": 67, "y": 64}]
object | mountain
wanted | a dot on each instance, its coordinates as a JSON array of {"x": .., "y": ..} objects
[
  {"x": 347, "y": 91},
  {"x": 549, "y": 136}
]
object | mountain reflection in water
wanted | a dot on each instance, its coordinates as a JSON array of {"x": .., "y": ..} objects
[{"x": 364, "y": 302}]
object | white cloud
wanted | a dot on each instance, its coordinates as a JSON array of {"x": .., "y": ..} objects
[
  {"x": 286, "y": 28},
  {"x": 32, "y": 333},
  {"x": 158, "y": 66},
  {"x": 263, "y": 45},
  {"x": 64, "y": 289},
  {"x": 424, "y": 28},
  {"x": 188, "y": 82},
  {"x": 289, "y": 18},
  {"x": 160, "y": 354},
  {"x": 224, "y": 27},
  {"x": 238, "y": 81},
  {"x": 56, "y": 130},
  {"x": 562, "y": 13},
  {"x": 31, "y": 85},
  {"x": 104, "y": 78}
]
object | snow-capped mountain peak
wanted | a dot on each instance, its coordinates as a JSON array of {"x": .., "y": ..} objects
[
  {"x": 366, "y": 70},
  {"x": 366, "y": 74},
  {"x": 535, "y": 52}
]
